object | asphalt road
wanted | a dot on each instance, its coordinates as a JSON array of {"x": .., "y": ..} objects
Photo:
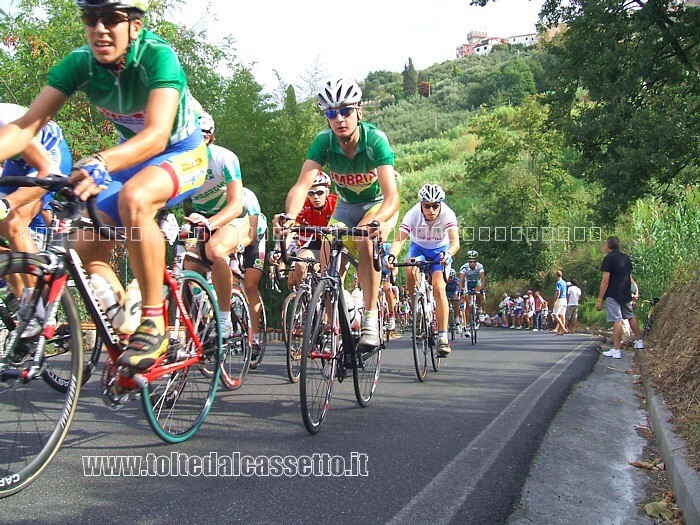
[{"x": 454, "y": 449}]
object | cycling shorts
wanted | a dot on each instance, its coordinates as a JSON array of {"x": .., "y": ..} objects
[
  {"x": 350, "y": 215},
  {"x": 254, "y": 254},
  {"x": 429, "y": 254},
  {"x": 185, "y": 162}
]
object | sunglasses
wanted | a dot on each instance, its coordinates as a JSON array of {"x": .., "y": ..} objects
[
  {"x": 344, "y": 112},
  {"x": 431, "y": 206},
  {"x": 316, "y": 193},
  {"x": 109, "y": 18}
]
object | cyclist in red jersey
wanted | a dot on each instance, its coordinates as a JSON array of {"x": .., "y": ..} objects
[{"x": 317, "y": 211}]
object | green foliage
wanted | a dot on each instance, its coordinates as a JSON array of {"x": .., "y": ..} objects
[{"x": 410, "y": 80}]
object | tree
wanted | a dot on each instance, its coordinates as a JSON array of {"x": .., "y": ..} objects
[{"x": 410, "y": 80}]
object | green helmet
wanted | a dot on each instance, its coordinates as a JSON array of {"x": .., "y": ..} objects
[{"x": 139, "y": 5}]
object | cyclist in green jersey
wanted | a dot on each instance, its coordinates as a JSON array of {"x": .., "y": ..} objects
[
  {"x": 361, "y": 165},
  {"x": 136, "y": 80}
]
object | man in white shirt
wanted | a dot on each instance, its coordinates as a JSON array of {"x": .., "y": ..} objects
[{"x": 573, "y": 294}]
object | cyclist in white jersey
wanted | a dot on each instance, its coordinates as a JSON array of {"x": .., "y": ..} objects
[
  {"x": 218, "y": 203},
  {"x": 434, "y": 233},
  {"x": 135, "y": 80},
  {"x": 472, "y": 277}
]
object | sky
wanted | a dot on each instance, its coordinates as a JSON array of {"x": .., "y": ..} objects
[{"x": 350, "y": 39}]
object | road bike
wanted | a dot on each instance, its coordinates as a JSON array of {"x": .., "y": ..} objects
[
  {"x": 473, "y": 315},
  {"x": 35, "y": 418},
  {"x": 424, "y": 333},
  {"x": 649, "y": 321},
  {"x": 329, "y": 348}
]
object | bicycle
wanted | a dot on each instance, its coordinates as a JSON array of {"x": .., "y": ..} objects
[
  {"x": 424, "y": 333},
  {"x": 34, "y": 421},
  {"x": 329, "y": 347},
  {"x": 473, "y": 315}
]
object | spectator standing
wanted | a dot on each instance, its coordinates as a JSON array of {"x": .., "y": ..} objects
[
  {"x": 529, "y": 309},
  {"x": 539, "y": 304},
  {"x": 573, "y": 295},
  {"x": 615, "y": 292},
  {"x": 559, "y": 308}
]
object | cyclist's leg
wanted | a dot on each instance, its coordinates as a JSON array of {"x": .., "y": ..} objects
[
  {"x": 222, "y": 242},
  {"x": 253, "y": 261}
]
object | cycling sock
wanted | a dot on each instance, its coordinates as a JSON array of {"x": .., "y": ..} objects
[
  {"x": 226, "y": 315},
  {"x": 155, "y": 314},
  {"x": 442, "y": 334},
  {"x": 256, "y": 338}
]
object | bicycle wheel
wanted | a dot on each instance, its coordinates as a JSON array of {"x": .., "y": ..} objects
[
  {"x": 320, "y": 349},
  {"x": 365, "y": 375},
  {"x": 452, "y": 325},
  {"x": 295, "y": 336},
  {"x": 57, "y": 370},
  {"x": 287, "y": 312},
  {"x": 34, "y": 418},
  {"x": 177, "y": 403},
  {"x": 420, "y": 337},
  {"x": 473, "y": 316},
  {"x": 384, "y": 333},
  {"x": 235, "y": 360},
  {"x": 262, "y": 342},
  {"x": 435, "y": 358}
]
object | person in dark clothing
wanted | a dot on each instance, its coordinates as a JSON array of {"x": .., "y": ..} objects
[{"x": 615, "y": 291}]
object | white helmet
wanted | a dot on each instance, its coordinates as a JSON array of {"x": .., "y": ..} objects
[
  {"x": 140, "y": 5},
  {"x": 322, "y": 180},
  {"x": 206, "y": 122},
  {"x": 431, "y": 193},
  {"x": 338, "y": 93}
]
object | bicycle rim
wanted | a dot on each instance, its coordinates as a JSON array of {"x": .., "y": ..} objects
[
  {"x": 472, "y": 323},
  {"x": 420, "y": 338},
  {"x": 295, "y": 336},
  {"x": 262, "y": 334},
  {"x": 318, "y": 359},
  {"x": 34, "y": 418},
  {"x": 235, "y": 361},
  {"x": 176, "y": 404},
  {"x": 287, "y": 312}
]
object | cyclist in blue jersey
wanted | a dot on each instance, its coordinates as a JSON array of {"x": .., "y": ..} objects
[
  {"x": 136, "y": 80},
  {"x": 454, "y": 295}
]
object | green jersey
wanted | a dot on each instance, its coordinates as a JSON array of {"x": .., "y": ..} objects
[
  {"x": 355, "y": 179},
  {"x": 121, "y": 97}
]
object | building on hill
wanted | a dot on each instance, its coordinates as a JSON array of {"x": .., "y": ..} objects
[{"x": 479, "y": 43}]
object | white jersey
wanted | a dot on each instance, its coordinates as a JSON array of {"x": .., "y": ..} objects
[
  {"x": 426, "y": 234},
  {"x": 251, "y": 206},
  {"x": 223, "y": 168}
]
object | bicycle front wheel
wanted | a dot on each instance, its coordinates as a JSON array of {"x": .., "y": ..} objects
[
  {"x": 34, "y": 418},
  {"x": 177, "y": 402},
  {"x": 320, "y": 349},
  {"x": 473, "y": 314},
  {"x": 235, "y": 361},
  {"x": 420, "y": 337},
  {"x": 295, "y": 335},
  {"x": 434, "y": 356},
  {"x": 262, "y": 333},
  {"x": 287, "y": 312},
  {"x": 365, "y": 375}
]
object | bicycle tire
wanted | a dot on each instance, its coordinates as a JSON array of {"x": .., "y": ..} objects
[
  {"x": 420, "y": 337},
  {"x": 365, "y": 375},
  {"x": 34, "y": 420},
  {"x": 287, "y": 312},
  {"x": 177, "y": 403},
  {"x": 237, "y": 351},
  {"x": 473, "y": 312},
  {"x": 295, "y": 336},
  {"x": 262, "y": 341},
  {"x": 435, "y": 358},
  {"x": 319, "y": 358}
]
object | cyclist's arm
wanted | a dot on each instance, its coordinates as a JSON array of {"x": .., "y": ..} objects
[
  {"x": 390, "y": 204},
  {"x": 297, "y": 194},
  {"x": 233, "y": 207},
  {"x": 482, "y": 277},
  {"x": 15, "y": 137},
  {"x": 253, "y": 231},
  {"x": 38, "y": 158},
  {"x": 453, "y": 236},
  {"x": 396, "y": 246},
  {"x": 152, "y": 140}
]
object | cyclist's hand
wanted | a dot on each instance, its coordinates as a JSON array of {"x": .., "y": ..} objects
[
  {"x": 274, "y": 257},
  {"x": 390, "y": 260},
  {"x": 199, "y": 220},
  {"x": 89, "y": 177},
  {"x": 446, "y": 258},
  {"x": 281, "y": 224}
]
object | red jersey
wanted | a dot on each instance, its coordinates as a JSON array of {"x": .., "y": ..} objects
[{"x": 311, "y": 217}]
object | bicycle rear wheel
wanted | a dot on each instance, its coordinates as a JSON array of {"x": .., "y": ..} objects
[
  {"x": 177, "y": 403},
  {"x": 320, "y": 349},
  {"x": 262, "y": 333},
  {"x": 34, "y": 418},
  {"x": 295, "y": 336},
  {"x": 420, "y": 337},
  {"x": 235, "y": 360}
]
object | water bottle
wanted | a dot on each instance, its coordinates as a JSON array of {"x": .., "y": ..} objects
[
  {"x": 132, "y": 308},
  {"x": 354, "y": 315},
  {"x": 237, "y": 306},
  {"x": 199, "y": 298},
  {"x": 107, "y": 299}
]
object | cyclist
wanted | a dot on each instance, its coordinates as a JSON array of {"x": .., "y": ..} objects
[
  {"x": 432, "y": 228},
  {"x": 472, "y": 277},
  {"x": 253, "y": 260},
  {"x": 390, "y": 290},
  {"x": 317, "y": 211},
  {"x": 136, "y": 80},
  {"x": 217, "y": 204},
  {"x": 46, "y": 154},
  {"x": 361, "y": 166},
  {"x": 454, "y": 293}
]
